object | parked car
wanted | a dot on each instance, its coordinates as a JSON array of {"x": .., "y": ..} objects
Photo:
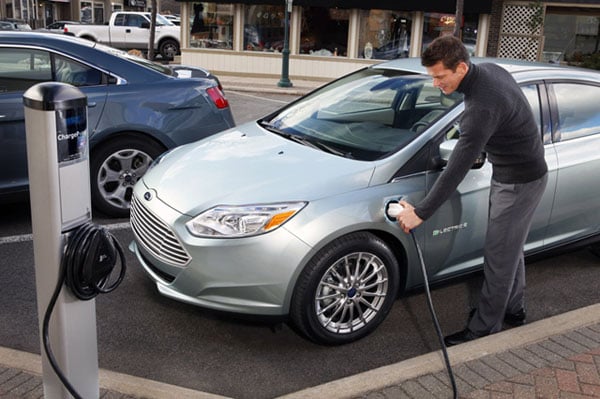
[
  {"x": 57, "y": 26},
  {"x": 13, "y": 24},
  {"x": 285, "y": 216},
  {"x": 175, "y": 19},
  {"x": 137, "y": 109}
]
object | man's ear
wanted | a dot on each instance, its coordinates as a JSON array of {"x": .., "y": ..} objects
[{"x": 462, "y": 68}]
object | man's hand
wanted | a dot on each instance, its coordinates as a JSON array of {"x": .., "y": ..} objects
[{"x": 408, "y": 219}]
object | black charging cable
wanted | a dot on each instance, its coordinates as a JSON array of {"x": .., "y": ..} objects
[
  {"x": 392, "y": 210},
  {"x": 434, "y": 318},
  {"x": 87, "y": 264}
]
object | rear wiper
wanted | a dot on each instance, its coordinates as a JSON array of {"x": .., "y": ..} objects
[{"x": 304, "y": 140}]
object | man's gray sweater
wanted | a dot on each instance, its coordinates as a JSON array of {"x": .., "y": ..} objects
[{"x": 498, "y": 120}]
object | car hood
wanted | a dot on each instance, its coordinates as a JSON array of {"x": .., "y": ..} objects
[{"x": 248, "y": 165}]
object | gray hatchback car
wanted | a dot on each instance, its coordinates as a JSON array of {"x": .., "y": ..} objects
[
  {"x": 136, "y": 109},
  {"x": 286, "y": 215}
]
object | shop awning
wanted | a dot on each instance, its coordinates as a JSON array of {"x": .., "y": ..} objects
[{"x": 447, "y": 6}]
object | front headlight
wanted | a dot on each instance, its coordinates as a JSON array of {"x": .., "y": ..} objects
[{"x": 242, "y": 221}]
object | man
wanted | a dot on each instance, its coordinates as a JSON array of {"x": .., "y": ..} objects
[{"x": 498, "y": 120}]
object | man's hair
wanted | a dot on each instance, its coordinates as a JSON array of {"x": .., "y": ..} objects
[{"x": 447, "y": 49}]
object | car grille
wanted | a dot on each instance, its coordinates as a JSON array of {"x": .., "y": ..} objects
[{"x": 156, "y": 236}]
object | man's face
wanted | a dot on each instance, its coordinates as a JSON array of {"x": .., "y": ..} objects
[{"x": 447, "y": 79}]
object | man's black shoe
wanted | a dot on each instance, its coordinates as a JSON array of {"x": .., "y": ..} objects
[
  {"x": 512, "y": 319},
  {"x": 460, "y": 337},
  {"x": 515, "y": 319}
]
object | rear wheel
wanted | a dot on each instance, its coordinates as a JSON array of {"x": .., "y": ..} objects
[
  {"x": 346, "y": 290},
  {"x": 115, "y": 167}
]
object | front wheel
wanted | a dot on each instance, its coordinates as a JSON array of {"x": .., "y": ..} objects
[
  {"x": 168, "y": 49},
  {"x": 346, "y": 290},
  {"x": 115, "y": 167}
]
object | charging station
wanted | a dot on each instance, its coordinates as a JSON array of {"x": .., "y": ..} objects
[{"x": 59, "y": 184}]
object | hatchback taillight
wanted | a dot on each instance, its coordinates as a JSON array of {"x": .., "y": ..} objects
[{"x": 217, "y": 97}]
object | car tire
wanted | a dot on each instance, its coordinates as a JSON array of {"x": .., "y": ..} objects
[
  {"x": 168, "y": 49},
  {"x": 115, "y": 167},
  {"x": 595, "y": 249},
  {"x": 346, "y": 290}
]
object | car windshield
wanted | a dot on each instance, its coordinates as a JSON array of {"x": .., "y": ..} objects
[{"x": 366, "y": 116}]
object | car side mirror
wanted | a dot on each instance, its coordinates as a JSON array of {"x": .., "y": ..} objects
[
  {"x": 446, "y": 149},
  {"x": 145, "y": 25}
]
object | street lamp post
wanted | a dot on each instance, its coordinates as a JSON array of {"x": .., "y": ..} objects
[{"x": 285, "y": 60}]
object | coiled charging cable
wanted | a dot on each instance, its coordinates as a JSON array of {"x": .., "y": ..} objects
[
  {"x": 89, "y": 259},
  {"x": 392, "y": 211}
]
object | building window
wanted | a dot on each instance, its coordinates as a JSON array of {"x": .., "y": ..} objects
[
  {"x": 570, "y": 37},
  {"x": 116, "y": 7},
  {"x": 98, "y": 13},
  {"x": 212, "y": 26},
  {"x": 438, "y": 24},
  {"x": 264, "y": 28},
  {"x": 91, "y": 13},
  {"x": 384, "y": 34},
  {"x": 324, "y": 31},
  {"x": 86, "y": 12}
]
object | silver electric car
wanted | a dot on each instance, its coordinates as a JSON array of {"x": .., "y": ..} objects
[{"x": 286, "y": 215}]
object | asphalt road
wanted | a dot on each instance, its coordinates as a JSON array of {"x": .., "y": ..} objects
[{"x": 143, "y": 334}]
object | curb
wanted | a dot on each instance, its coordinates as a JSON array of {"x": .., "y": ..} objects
[{"x": 108, "y": 380}]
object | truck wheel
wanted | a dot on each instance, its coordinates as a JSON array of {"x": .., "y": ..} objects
[
  {"x": 168, "y": 49},
  {"x": 115, "y": 167},
  {"x": 346, "y": 290}
]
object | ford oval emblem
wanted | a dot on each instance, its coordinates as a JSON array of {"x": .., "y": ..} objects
[{"x": 147, "y": 195}]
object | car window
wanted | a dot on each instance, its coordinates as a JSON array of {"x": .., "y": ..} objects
[
  {"x": 134, "y": 20},
  {"x": 532, "y": 94},
  {"x": 22, "y": 68},
  {"x": 365, "y": 116},
  {"x": 578, "y": 114},
  {"x": 75, "y": 73},
  {"x": 120, "y": 20}
]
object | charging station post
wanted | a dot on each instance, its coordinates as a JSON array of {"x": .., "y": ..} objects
[{"x": 59, "y": 185}]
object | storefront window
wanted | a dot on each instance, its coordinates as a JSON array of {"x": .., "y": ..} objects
[
  {"x": 437, "y": 24},
  {"x": 570, "y": 37},
  {"x": 212, "y": 26},
  {"x": 86, "y": 12},
  {"x": 384, "y": 34},
  {"x": 324, "y": 31},
  {"x": 264, "y": 28},
  {"x": 98, "y": 13}
]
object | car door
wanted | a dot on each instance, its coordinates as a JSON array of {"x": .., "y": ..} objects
[
  {"x": 576, "y": 132},
  {"x": 135, "y": 35},
  {"x": 20, "y": 69},
  {"x": 454, "y": 236}
]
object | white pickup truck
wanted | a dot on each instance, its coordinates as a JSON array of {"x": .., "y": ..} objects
[{"x": 131, "y": 30}]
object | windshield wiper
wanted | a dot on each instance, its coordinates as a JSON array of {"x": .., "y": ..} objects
[{"x": 304, "y": 140}]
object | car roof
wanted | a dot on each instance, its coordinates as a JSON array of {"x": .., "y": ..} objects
[
  {"x": 519, "y": 68},
  {"x": 80, "y": 49}
]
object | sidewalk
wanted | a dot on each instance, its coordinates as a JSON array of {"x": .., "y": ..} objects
[
  {"x": 268, "y": 85},
  {"x": 558, "y": 357}
]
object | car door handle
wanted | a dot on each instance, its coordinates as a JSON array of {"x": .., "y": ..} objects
[{"x": 127, "y": 30}]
